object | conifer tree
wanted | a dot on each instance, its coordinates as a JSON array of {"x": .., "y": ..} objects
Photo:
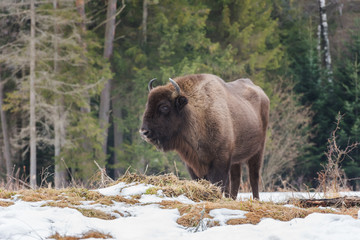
[{"x": 348, "y": 90}]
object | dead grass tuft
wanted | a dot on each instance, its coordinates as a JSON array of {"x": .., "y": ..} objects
[
  {"x": 91, "y": 234},
  {"x": 61, "y": 204},
  {"x": 68, "y": 198},
  {"x": 5, "y": 204},
  {"x": 192, "y": 214},
  {"x": 70, "y": 194},
  {"x": 172, "y": 186},
  {"x": 95, "y": 213},
  {"x": 131, "y": 201},
  {"x": 5, "y": 194}
]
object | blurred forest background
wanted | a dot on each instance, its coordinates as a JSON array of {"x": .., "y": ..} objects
[{"x": 74, "y": 77}]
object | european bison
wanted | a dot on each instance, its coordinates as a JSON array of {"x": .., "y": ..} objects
[{"x": 213, "y": 125}]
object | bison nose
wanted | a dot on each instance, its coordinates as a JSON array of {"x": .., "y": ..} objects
[{"x": 145, "y": 132}]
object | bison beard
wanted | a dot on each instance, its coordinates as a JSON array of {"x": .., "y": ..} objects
[{"x": 214, "y": 126}]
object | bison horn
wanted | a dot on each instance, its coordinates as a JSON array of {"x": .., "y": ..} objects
[
  {"x": 176, "y": 86},
  {"x": 150, "y": 84}
]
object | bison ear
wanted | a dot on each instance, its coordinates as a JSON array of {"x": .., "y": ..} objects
[{"x": 180, "y": 102}]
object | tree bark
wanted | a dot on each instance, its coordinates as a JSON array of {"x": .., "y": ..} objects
[
  {"x": 324, "y": 44},
  {"x": 59, "y": 127},
  {"x": 80, "y": 6},
  {"x": 32, "y": 97},
  {"x": 144, "y": 22},
  {"x": 4, "y": 127},
  {"x": 118, "y": 133},
  {"x": 104, "y": 110}
]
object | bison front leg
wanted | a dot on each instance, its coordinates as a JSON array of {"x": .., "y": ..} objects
[
  {"x": 192, "y": 174},
  {"x": 254, "y": 172},
  {"x": 235, "y": 178},
  {"x": 219, "y": 175}
]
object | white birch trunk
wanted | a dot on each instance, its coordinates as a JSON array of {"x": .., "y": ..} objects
[
  {"x": 32, "y": 98},
  {"x": 324, "y": 39}
]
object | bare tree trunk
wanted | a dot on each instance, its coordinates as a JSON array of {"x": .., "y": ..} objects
[
  {"x": 60, "y": 174},
  {"x": 32, "y": 98},
  {"x": 59, "y": 129},
  {"x": 4, "y": 127},
  {"x": 104, "y": 110},
  {"x": 324, "y": 45},
  {"x": 144, "y": 21},
  {"x": 80, "y": 6},
  {"x": 118, "y": 133}
]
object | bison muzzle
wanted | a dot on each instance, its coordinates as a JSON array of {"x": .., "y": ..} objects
[{"x": 213, "y": 125}]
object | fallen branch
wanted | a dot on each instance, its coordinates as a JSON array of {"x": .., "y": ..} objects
[{"x": 331, "y": 202}]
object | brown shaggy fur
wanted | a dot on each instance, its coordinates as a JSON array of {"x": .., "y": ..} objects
[{"x": 213, "y": 125}]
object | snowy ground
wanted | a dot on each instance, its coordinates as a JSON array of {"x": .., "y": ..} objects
[{"x": 31, "y": 220}]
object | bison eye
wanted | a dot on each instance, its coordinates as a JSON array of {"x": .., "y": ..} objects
[{"x": 164, "y": 109}]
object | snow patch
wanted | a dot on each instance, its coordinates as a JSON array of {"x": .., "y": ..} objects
[
  {"x": 222, "y": 215},
  {"x": 113, "y": 190},
  {"x": 147, "y": 220}
]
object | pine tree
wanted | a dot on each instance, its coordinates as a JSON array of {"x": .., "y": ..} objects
[
  {"x": 248, "y": 28},
  {"x": 348, "y": 85}
]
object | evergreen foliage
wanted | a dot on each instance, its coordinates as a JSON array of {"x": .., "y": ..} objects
[{"x": 348, "y": 75}]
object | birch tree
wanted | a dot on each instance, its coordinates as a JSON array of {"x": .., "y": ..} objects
[
  {"x": 323, "y": 42},
  {"x": 32, "y": 59}
]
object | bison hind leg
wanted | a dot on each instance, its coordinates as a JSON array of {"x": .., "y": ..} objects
[{"x": 254, "y": 164}]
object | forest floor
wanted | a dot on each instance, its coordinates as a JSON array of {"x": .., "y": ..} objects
[{"x": 164, "y": 207}]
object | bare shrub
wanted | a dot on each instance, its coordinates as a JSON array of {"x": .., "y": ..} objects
[
  {"x": 287, "y": 136},
  {"x": 332, "y": 179}
]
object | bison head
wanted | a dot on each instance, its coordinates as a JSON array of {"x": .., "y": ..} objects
[{"x": 163, "y": 117}]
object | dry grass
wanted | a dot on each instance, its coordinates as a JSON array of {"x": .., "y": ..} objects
[
  {"x": 95, "y": 213},
  {"x": 91, "y": 234},
  {"x": 68, "y": 194},
  {"x": 67, "y": 198},
  {"x": 192, "y": 214},
  {"x": 171, "y": 186},
  {"x": 5, "y": 204},
  {"x": 72, "y": 196},
  {"x": 5, "y": 194}
]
